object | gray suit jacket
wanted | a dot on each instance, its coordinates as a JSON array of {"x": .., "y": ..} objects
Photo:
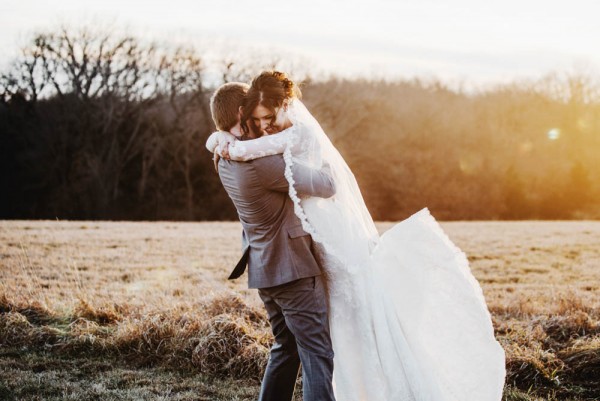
[{"x": 280, "y": 251}]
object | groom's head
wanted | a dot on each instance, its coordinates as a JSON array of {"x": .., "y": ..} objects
[{"x": 225, "y": 106}]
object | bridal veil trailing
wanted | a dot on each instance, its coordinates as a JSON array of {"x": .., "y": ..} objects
[{"x": 408, "y": 319}]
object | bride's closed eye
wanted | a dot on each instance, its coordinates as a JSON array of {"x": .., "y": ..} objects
[{"x": 270, "y": 118}]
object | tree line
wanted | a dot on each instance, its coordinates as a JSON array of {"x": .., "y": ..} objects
[{"x": 105, "y": 126}]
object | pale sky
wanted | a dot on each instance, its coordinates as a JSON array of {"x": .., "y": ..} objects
[{"x": 471, "y": 41}]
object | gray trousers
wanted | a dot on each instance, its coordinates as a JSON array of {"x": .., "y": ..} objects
[{"x": 298, "y": 316}]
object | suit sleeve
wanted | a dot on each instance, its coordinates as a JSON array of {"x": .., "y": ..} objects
[{"x": 307, "y": 181}]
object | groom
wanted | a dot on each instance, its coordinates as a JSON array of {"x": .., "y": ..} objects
[{"x": 280, "y": 260}]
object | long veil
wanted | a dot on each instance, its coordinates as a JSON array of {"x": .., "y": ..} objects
[
  {"x": 408, "y": 319},
  {"x": 346, "y": 211}
]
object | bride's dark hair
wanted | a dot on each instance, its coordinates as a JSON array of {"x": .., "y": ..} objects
[{"x": 268, "y": 89}]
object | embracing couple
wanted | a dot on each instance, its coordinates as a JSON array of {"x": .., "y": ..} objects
[{"x": 400, "y": 314}]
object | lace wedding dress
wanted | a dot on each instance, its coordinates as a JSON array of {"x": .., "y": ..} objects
[{"x": 408, "y": 320}]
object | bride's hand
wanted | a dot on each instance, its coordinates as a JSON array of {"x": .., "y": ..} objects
[
  {"x": 219, "y": 142},
  {"x": 224, "y": 151}
]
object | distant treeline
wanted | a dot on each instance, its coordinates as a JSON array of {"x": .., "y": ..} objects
[{"x": 97, "y": 126}]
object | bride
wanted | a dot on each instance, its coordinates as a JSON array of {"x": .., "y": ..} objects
[{"x": 408, "y": 320}]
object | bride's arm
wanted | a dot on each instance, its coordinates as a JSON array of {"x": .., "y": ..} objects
[
  {"x": 251, "y": 149},
  {"x": 217, "y": 141}
]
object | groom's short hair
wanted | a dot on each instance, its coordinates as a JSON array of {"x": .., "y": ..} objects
[{"x": 225, "y": 104}]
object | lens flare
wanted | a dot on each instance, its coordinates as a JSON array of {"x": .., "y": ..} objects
[{"x": 554, "y": 134}]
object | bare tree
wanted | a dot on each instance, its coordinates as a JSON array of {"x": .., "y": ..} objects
[{"x": 181, "y": 77}]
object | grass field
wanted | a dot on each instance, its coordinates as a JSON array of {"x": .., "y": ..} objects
[{"x": 142, "y": 311}]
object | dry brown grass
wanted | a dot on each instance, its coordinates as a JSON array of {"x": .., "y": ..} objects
[{"x": 154, "y": 296}]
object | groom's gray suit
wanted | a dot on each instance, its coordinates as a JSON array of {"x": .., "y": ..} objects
[{"x": 282, "y": 266}]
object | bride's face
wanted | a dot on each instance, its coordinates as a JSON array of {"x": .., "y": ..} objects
[{"x": 271, "y": 121}]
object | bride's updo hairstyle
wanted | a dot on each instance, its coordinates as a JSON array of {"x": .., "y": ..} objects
[{"x": 269, "y": 89}]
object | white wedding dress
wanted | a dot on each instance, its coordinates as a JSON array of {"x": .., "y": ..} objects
[{"x": 408, "y": 319}]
